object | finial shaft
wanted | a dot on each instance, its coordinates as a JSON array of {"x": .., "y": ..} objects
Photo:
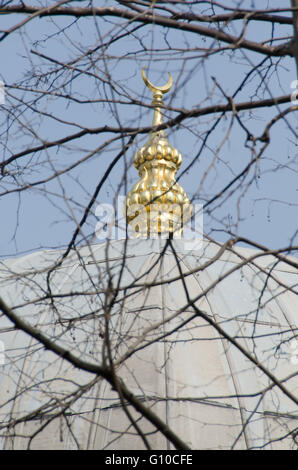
[{"x": 158, "y": 92}]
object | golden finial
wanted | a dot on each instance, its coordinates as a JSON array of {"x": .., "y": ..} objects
[{"x": 157, "y": 203}]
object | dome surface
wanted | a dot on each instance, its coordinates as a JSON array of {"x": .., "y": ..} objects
[{"x": 201, "y": 339}]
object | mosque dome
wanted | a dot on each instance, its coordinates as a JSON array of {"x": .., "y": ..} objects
[{"x": 200, "y": 338}]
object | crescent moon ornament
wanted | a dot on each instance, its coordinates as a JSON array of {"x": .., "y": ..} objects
[{"x": 154, "y": 88}]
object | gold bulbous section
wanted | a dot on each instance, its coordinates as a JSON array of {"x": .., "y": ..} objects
[{"x": 157, "y": 203}]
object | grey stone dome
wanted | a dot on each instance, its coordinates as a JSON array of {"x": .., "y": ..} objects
[{"x": 171, "y": 356}]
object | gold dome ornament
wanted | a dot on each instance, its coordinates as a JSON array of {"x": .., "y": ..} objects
[{"x": 157, "y": 204}]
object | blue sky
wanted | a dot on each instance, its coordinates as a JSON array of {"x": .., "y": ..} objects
[{"x": 265, "y": 211}]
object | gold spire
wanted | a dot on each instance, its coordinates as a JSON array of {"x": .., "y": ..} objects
[{"x": 157, "y": 203}]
